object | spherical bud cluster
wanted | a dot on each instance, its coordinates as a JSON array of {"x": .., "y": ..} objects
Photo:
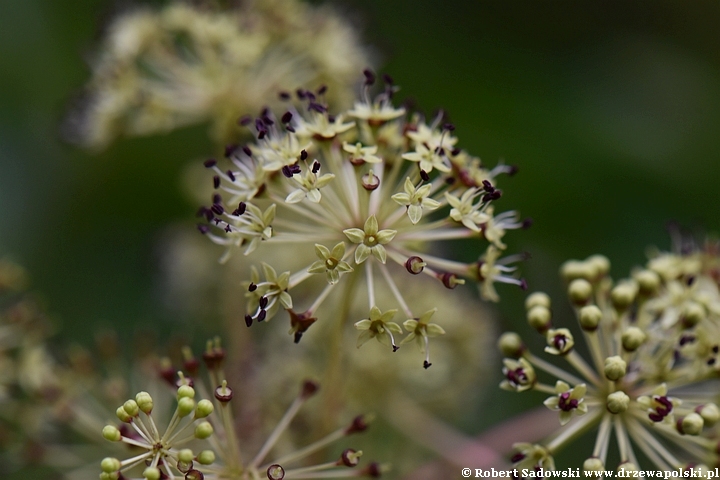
[
  {"x": 617, "y": 402},
  {"x": 580, "y": 291},
  {"x": 615, "y": 368},
  {"x": 589, "y": 318}
]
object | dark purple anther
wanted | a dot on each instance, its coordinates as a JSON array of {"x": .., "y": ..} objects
[
  {"x": 216, "y": 181},
  {"x": 287, "y": 116},
  {"x": 303, "y": 155},
  {"x": 316, "y": 167},
  {"x": 217, "y": 209},
  {"x": 210, "y": 162},
  {"x": 369, "y": 77}
]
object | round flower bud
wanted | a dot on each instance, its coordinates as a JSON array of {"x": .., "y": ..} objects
[
  {"x": 691, "y": 424},
  {"x": 186, "y": 455},
  {"x": 109, "y": 476},
  {"x": 144, "y": 402},
  {"x": 185, "y": 391},
  {"x": 574, "y": 269},
  {"x": 511, "y": 345},
  {"x": 152, "y": 473},
  {"x": 579, "y": 291},
  {"x": 648, "y": 281},
  {"x": 593, "y": 464},
  {"x": 185, "y": 406},
  {"x": 632, "y": 338},
  {"x": 111, "y": 433},
  {"x": 599, "y": 264},
  {"x": 628, "y": 467},
  {"x": 203, "y": 430},
  {"x": 537, "y": 299},
  {"x": 539, "y": 318},
  {"x": 206, "y": 457},
  {"x": 110, "y": 465},
  {"x": 131, "y": 408},
  {"x": 617, "y": 402},
  {"x": 122, "y": 414},
  {"x": 709, "y": 412},
  {"x": 204, "y": 408},
  {"x": 615, "y": 368},
  {"x": 623, "y": 295},
  {"x": 692, "y": 314},
  {"x": 590, "y": 316}
]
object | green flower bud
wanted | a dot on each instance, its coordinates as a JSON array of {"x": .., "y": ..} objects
[
  {"x": 590, "y": 316},
  {"x": 152, "y": 473},
  {"x": 691, "y": 424},
  {"x": 615, "y": 368},
  {"x": 511, "y": 345},
  {"x": 131, "y": 408},
  {"x": 111, "y": 433},
  {"x": 593, "y": 464},
  {"x": 122, "y": 414},
  {"x": 539, "y": 318},
  {"x": 109, "y": 465},
  {"x": 185, "y": 391},
  {"x": 203, "y": 430},
  {"x": 186, "y": 455},
  {"x": 185, "y": 406},
  {"x": 204, "y": 408},
  {"x": 632, "y": 338},
  {"x": 617, "y": 402},
  {"x": 623, "y": 295},
  {"x": 145, "y": 402},
  {"x": 537, "y": 299},
  {"x": 580, "y": 291},
  {"x": 709, "y": 412},
  {"x": 574, "y": 269},
  {"x": 599, "y": 264},
  {"x": 206, "y": 457},
  {"x": 648, "y": 282}
]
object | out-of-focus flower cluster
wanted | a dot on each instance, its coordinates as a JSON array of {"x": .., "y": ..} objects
[
  {"x": 652, "y": 375},
  {"x": 191, "y": 62},
  {"x": 368, "y": 193}
]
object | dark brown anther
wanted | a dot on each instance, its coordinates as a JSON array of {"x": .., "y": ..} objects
[
  {"x": 246, "y": 150},
  {"x": 244, "y": 120},
  {"x": 286, "y": 171},
  {"x": 424, "y": 175},
  {"x": 358, "y": 425},
  {"x": 275, "y": 472},
  {"x": 349, "y": 458},
  {"x": 303, "y": 155},
  {"x": 284, "y": 96},
  {"x": 322, "y": 90},
  {"x": 395, "y": 348},
  {"x": 217, "y": 209},
  {"x": 369, "y": 77},
  {"x": 230, "y": 150},
  {"x": 415, "y": 265},
  {"x": 210, "y": 162},
  {"x": 230, "y": 175},
  {"x": 203, "y": 228},
  {"x": 374, "y": 470},
  {"x": 449, "y": 127},
  {"x": 240, "y": 209},
  {"x": 248, "y": 320},
  {"x": 426, "y": 364},
  {"x": 287, "y": 116},
  {"x": 216, "y": 181},
  {"x": 252, "y": 287},
  {"x": 263, "y": 302},
  {"x": 309, "y": 388},
  {"x": 487, "y": 186},
  {"x": 223, "y": 393},
  {"x": 262, "y": 315},
  {"x": 316, "y": 167}
]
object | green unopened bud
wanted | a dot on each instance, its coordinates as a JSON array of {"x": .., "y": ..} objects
[
  {"x": 539, "y": 318},
  {"x": 185, "y": 406},
  {"x": 593, "y": 464},
  {"x": 710, "y": 413},
  {"x": 615, "y": 368},
  {"x": 152, "y": 473},
  {"x": 691, "y": 424},
  {"x": 109, "y": 476},
  {"x": 648, "y": 282},
  {"x": 186, "y": 455},
  {"x": 617, "y": 402},
  {"x": 537, "y": 299},
  {"x": 203, "y": 430},
  {"x": 206, "y": 457},
  {"x": 511, "y": 345},
  {"x": 623, "y": 295},
  {"x": 204, "y": 408},
  {"x": 590, "y": 316},
  {"x": 632, "y": 338},
  {"x": 580, "y": 291},
  {"x": 111, "y": 433},
  {"x": 692, "y": 314},
  {"x": 144, "y": 402},
  {"x": 599, "y": 264},
  {"x": 185, "y": 391},
  {"x": 109, "y": 465},
  {"x": 574, "y": 269},
  {"x": 131, "y": 408},
  {"x": 122, "y": 414}
]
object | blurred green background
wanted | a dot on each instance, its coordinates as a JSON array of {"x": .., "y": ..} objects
[{"x": 611, "y": 110}]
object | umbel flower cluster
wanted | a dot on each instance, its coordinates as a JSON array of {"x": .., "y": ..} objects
[
  {"x": 652, "y": 377},
  {"x": 368, "y": 190},
  {"x": 191, "y": 62},
  {"x": 200, "y": 440}
]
